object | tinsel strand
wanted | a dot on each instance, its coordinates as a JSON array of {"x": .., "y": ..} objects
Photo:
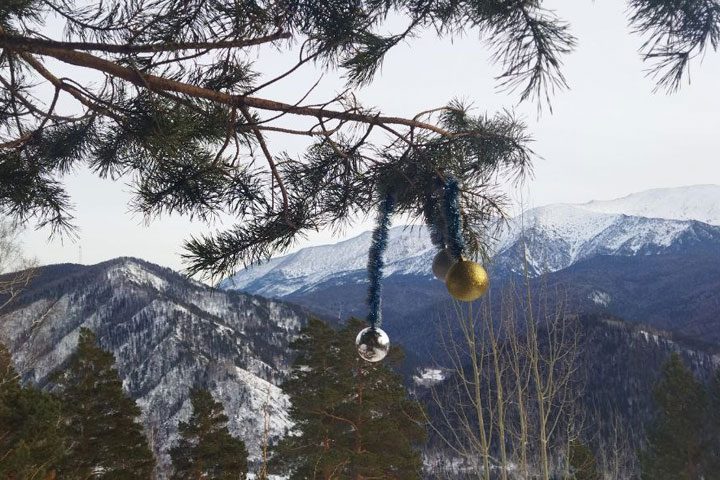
[
  {"x": 455, "y": 241},
  {"x": 376, "y": 261},
  {"x": 435, "y": 220}
]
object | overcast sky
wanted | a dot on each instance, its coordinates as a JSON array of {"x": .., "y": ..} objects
[{"x": 607, "y": 136}]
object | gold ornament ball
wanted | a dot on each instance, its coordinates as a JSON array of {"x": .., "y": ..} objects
[
  {"x": 467, "y": 281},
  {"x": 442, "y": 263}
]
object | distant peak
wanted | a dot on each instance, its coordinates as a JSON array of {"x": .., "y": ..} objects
[
  {"x": 693, "y": 202},
  {"x": 684, "y": 190}
]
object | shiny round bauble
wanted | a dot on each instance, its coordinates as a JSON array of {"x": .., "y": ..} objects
[
  {"x": 467, "y": 281},
  {"x": 442, "y": 263},
  {"x": 372, "y": 344}
]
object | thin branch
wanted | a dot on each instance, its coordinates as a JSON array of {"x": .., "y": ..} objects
[
  {"x": 30, "y": 106},
  {"x": 299, "y": 64},
  {"x": 26, "y": 43},
  {"x": 86, "y": 60},
  {"x": 79, "y": 96},
  {"x": 273, "y": 167}
]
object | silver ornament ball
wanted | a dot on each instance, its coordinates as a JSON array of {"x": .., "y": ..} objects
[
  {"x": 442, "y": 263},
  {"x": 372, "y": 344}
]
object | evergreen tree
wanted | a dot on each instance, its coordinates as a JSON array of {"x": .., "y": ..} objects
[
  {"x": 107, "y": 442},
  {"x": 352, "y": 418},
  {"x": 31, "y": 440},
  {"x": 711, "y": 430},
  {"x": 185, "y": 115},
  {"x": 582, "y": 462},
  {"x": 674, "y": 450},
  {"x": 206, "y": 450}
]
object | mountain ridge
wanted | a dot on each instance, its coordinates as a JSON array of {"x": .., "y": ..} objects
[
  {"x": 555, "y": 237},
  {"x": 691, "y": 202}
]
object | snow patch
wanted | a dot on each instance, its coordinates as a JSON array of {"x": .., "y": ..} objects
[
  {"x": 428, "y": 377},
  {"x": 697, "y": 202},
  {"x": 129, "y": 270},
  {"x": 648, "y": 336},
  {"x": 600, "y": 298}
]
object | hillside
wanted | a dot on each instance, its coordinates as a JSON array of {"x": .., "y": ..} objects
[
  {"x": 616, "y": 368},
  {"x": 167, "y": 334}
]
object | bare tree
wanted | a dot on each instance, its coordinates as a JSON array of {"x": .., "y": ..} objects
[
  {"x": 509, "y": 407},
  {"x": 16, "y": 270},
  {"x": 15, "y": 274},
  {"x": 616, "y": 454}
]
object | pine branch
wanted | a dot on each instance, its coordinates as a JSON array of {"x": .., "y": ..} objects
[
  {"x": 271, "y": 163},
  {"x": 676, "y": 32},
  {"x": 176, "y": 74},
  {"x": 154, "y": 82},
  {"x": 14, "y": 42}
]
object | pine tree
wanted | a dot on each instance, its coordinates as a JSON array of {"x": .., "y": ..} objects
[
  {"x": 353, "y": 419},
  {"x": 711, "y": 430},
  {"x": 107, "y": 442},
  {"x": 31, "y": 437},
  {"x": 582, "y": 462},
  {"x": 206, "y": 450},
  {"x": 674, "y": 450},
  {"x": 185, "y": 114}
]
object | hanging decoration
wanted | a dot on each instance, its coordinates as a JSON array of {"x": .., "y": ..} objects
[
  {"x": 373, "y": 343},
  {"x": 435, "y": 217},
  {"x": 442, "y": 263},
  {"x": 465, "y": 280}
]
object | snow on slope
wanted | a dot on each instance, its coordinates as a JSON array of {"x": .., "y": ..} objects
[
  {"x": 696, "y": 202},
  {"x": 557, "y": 236},
  {"x": 167, "y": 335},
  {"x": 408, "y": 252}
]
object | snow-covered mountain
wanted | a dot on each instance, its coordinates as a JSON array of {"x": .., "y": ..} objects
[
  {"x": 167, "y": 334},
  {"x": 696, "y": 202},
  {"x": 556, "y": 236},
  {"x": 409, "y": 251}
]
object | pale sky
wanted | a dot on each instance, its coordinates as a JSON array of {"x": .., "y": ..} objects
[{"x": 608, "y": 135}]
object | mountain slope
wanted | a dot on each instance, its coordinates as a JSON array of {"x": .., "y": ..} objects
[
  {"x": 696, "y": 202},
  {"x": 559, "y": 236},
  {"x": 556, "y": 237},
  {"x": 673, "y": 292},
  {"x": 653, "y": 270},
  {"x": 409, "y": 251},
  {"x": 167, "y": 334},
  {"x": 676, "y": 292},
  {"x": 617, "y": 366}
]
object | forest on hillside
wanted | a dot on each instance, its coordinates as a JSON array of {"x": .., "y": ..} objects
[{"x": 516, "y": 401}]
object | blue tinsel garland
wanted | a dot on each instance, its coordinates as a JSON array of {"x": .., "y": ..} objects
[
  {"x": 455, "y": 242},
  {"x": 435, "y": 218},
  {"x": 376, "y": 261}
]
